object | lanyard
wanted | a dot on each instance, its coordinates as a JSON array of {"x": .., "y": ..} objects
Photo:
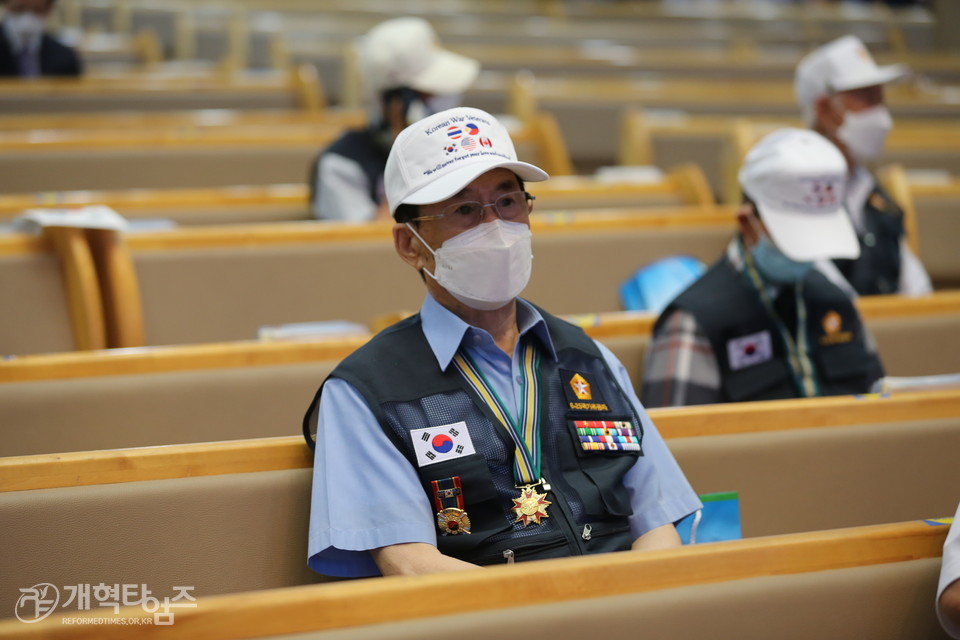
[
  {"x": 525, "y": 432},
  {"x": 798, "y": 351}
]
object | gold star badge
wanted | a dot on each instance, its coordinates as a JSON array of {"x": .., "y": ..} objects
[{"x": 581, "y": 387}]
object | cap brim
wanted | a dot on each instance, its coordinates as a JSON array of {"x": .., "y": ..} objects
[
  {"x": 806, "y": 237},
  {"x": 455, "y": 181},
  {"x": 882, "y": 75},
  {"x": 448, "y": 73}
]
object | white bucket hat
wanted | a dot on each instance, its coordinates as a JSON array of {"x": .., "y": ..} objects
[
  {"x": 405, "y": 52},
  {"x": 797, "y": 180},
  {"x": 433, "y": 159},
  {"x": 840, "y": 65}
]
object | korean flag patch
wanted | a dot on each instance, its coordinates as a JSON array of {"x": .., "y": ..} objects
[
  {"x": 747, "y": 351},
  {"x": 438, "y": 444}
]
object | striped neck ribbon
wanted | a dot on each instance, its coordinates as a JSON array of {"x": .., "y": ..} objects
[
  {"x": 525, "y": 432},
  {"x": 798, "y": 350}
]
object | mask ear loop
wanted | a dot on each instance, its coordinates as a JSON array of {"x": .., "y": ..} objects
[
  {"x": 760, "y": 233},
  {"x": 424, "y": 243}
]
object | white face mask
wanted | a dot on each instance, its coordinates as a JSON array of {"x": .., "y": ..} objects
[
  {"x": 865, "y": 132},
  {"x": 484, "y": 267},
  {"x": 27, "y": 25}
]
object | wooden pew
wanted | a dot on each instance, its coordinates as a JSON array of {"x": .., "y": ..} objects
[
  {"x": 294, "y": 89},
  {"x": 684, "y": 186},
  {"x": 250, "y": 498},
  {"x": 247, "y": 389},
  {"x": 178, "y": 272},
  {"x": 213, "y": 284},
  {"x": 216, "y": 284},
  {"x": 54, "y": 293},
  {"x": 166, "y": 158},
  {"x": 201, "y": 149},
  {"x": 855, "y": 582},
  {"x": 668, "y": 137},
  {"x": 936, "y": 199},
  {"x": 236, "y": 262},
  {"x": 588, "y": 109}
]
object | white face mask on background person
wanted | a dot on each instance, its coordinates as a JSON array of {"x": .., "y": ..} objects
[
  {"x": 865, "y": 132},
  {"x": 775, "y": 266},
  {"x": 484, "y": 267},
  {"x": 27, "y": 25}
]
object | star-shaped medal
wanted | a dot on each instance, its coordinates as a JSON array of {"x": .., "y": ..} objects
[{"x": 530, "y": 506}]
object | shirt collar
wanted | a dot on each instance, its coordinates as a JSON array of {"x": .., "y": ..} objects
[
  {"x": 445, "y": 331},
  {"x": 859, "y": 187},
  {"x": 17, "y": 44}
]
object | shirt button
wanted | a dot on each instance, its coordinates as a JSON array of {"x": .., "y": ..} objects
[
  {"x": 870, "y": 240},
  {"x": 519, "y": 379}
]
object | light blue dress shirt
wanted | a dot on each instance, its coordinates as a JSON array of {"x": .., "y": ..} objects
[{"x": 367, "y": 495}]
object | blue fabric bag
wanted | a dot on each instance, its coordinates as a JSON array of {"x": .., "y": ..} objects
[
  {"x": 654, "y": 286},
  {"x": 718, "y": 520}
]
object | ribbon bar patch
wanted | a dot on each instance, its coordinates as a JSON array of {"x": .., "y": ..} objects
[{"x": 607, "y": 435}]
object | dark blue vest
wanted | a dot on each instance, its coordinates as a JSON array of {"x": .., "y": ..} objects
[
  {"x": 728, "y": 309},
  {"x": 877, "y": 270},
  {"x": 362, "y": 147},
  {"x": 396, "y": 372}
]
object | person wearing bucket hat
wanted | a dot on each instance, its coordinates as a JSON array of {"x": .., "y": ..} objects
[
  {"x": 840, "y": 90},
  {"x": 406, "y": 75},
  {"x": 482, "y": 430},
  {"x": 772, "y": 318}
]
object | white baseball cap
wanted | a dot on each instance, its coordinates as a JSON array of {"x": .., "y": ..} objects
[
  {"x": 433, "y": 159},
  {"x": 405, "y": 52},
  {"x": 840, "y": 65},
  {"x": 797, "y": 180}
]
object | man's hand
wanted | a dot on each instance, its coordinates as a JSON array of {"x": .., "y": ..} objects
[
  {"x": 415, "y": 558},
  {"x": 663, "y": 537}
]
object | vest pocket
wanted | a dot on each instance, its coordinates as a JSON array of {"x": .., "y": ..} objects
[
  {"x": 757, "y": 381},
  {"x": 844, "y": 361},
  {"x": 480, "y": 501}
]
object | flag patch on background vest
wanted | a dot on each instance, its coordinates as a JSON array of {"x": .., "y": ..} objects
[
  {"x": 437, "y": 444},
  {"x": 747, "y": 351},
  {"x": 607, "y": 435}
]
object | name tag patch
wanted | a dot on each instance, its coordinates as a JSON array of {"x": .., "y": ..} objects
[
  {"x": 438, "y": 444},
  {"x": 607, "y": 435},
  {"x": 747, "y": 351}
]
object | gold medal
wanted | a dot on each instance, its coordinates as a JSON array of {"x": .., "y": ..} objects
[
  {"x": 530, "y": 506},
  {"x": 453, "y": 521}
]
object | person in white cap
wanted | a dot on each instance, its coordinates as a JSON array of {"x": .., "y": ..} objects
[
  {"x": 840, "y": 90},
  {"x": 763, "y": 323},
  {"x": 482, "y": 430},
  {"x": 948, "y": 591},
  {"x": 406, "y": 75}
]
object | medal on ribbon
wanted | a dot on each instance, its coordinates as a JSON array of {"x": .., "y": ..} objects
[
  {"x": 452, "y": 519},
  {"x": 531, "y": 506}
]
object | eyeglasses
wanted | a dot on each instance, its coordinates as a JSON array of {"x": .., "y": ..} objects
[{"x": 466, "y": 215}]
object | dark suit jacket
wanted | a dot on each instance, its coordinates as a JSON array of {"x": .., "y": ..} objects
[{"x": 56, "y": 59}]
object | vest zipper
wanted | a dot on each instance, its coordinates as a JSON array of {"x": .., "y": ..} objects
[
  {"x": 587, "y": 532},
  {"x": 508, "y": 554},
  {"x": 569, "y": 527}
]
